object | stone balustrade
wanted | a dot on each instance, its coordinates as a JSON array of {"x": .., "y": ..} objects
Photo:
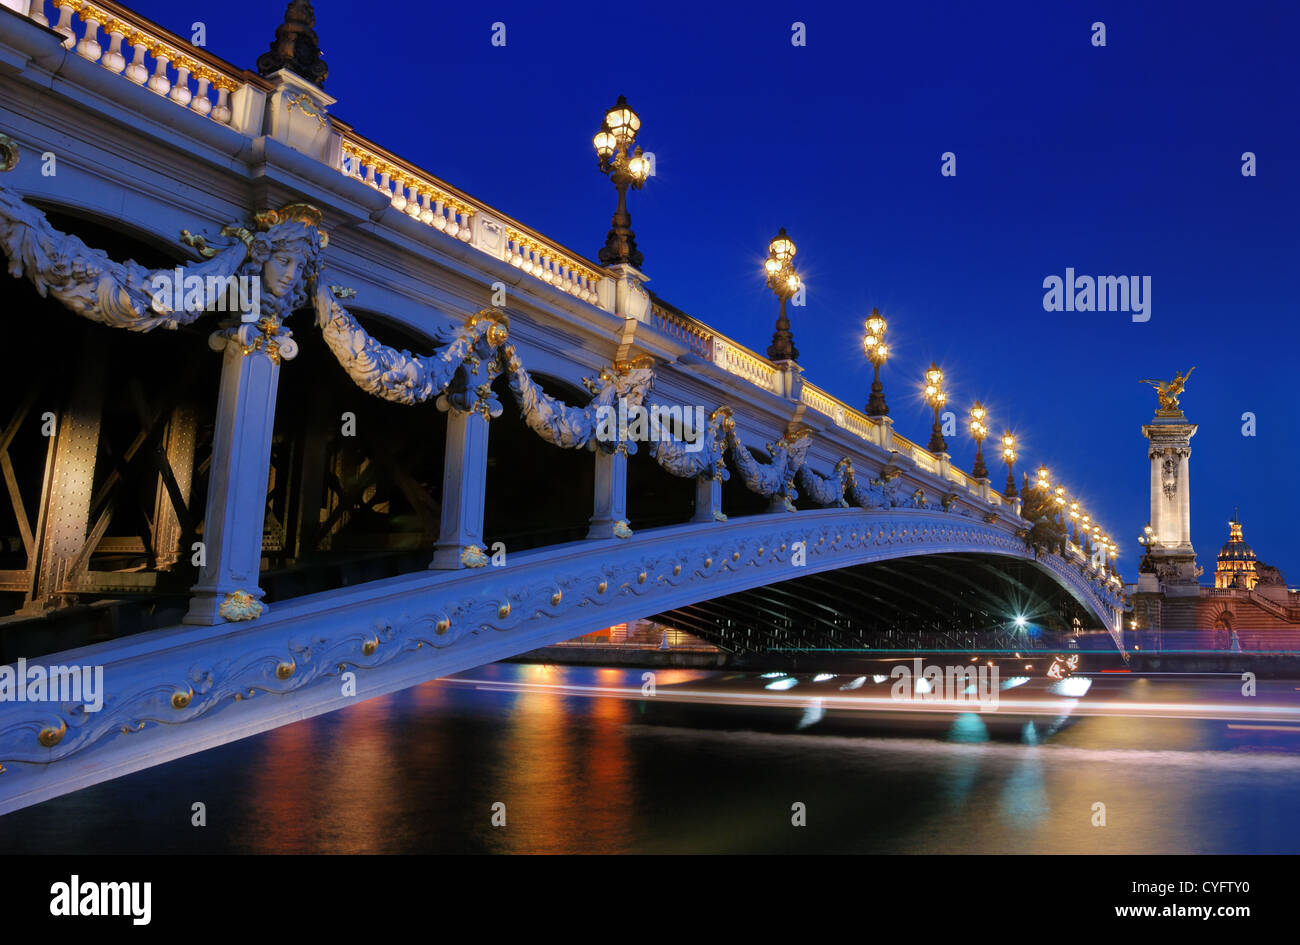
[
  {"x": 697, "y": 337},
  {"x": 145, "y": 54},
  {"x": 740, "y": 361}
]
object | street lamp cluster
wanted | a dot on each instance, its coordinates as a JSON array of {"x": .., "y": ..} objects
[
  {"x": 784, "y": 283},
  {"x": 1070, "y": 518},
  {"x": 627, "y": 168}
]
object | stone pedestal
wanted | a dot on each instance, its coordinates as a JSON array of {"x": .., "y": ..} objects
[
  {"x": 297, "y": 114},
  {"x": 630, "y": 299}
]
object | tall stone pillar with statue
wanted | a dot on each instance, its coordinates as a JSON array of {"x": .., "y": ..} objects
[{"x": 1170, "y": 560}]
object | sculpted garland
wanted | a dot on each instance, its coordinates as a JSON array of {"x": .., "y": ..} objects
[{"x": 281, "y": 251}]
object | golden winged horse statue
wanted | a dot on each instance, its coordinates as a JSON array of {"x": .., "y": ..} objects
[{"x": 1167, "y": 392}]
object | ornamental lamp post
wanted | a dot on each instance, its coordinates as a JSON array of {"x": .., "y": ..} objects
[
  {"x": 936, "y": 398},
  {"x": 1043, "y": 478},
  {"x": 626, "y": 168},
  {"x": 784, "y": 283},
  {"x": 873, "y": 344},
  {"x": 1009, "y": 457},
  {"x": 1074, "y": 522},
  {"x": 979, "y": 431}
]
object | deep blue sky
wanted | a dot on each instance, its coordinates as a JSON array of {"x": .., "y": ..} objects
[{"x": 1119, "y": 160}]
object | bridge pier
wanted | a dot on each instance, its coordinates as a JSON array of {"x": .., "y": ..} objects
[
  {"x": 609, "y": 517},
  {"x": 237, "y": 484},
  {"x": 464, "y": 484}
]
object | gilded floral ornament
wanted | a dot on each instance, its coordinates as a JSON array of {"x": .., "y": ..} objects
[
  {"x": 622, "y": 529},
  {"x": 50, "y": 736},
  {"x": 8, "y": 153},
  {"x": 240, "y": 605},
  {"x": 472, "y": 556}
]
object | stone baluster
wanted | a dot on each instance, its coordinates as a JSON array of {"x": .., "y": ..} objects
[
  {"x": 37, "y": 12},
  {"x": 466, "y": 227},
  {"x": 89, "y": 47},
  {"x": 137, "y": 71},
  {"x": 399, "y": 191},
  {"x": 159, "y": 82},
  {"x": 64, "y": 27},
  {"x": 113, "y": 60},
  {"x": 221, "y": 111},
  {"x": 413, "y": 209},
  {"x": 180, "y": 93},
  {"x": 202, "y": 102},
  {"x": 453, "y": 225},
  {"x": 426, "y": 208}
]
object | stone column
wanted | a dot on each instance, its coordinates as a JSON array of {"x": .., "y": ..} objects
[
  {"x": 1169, "y": 453},
  {"x": 708, "y": 498},
  {"x": 464, "y": 488},
  {"x": 609, "y": 516},
  {"x": 227, "y": 588}
]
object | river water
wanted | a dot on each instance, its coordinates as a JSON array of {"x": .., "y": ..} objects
[{"x": 582, "y": 762}]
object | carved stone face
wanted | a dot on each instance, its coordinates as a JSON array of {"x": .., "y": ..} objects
[{"x": 281, "y": 273}]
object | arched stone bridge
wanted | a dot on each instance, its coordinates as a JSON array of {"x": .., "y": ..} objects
[{"x": 144, "y": 469}]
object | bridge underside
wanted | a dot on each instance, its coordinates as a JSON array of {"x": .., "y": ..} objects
[{"x": 940, "y": 601}]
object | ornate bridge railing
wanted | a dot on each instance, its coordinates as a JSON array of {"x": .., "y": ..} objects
[{"x": 158, "y": 59}]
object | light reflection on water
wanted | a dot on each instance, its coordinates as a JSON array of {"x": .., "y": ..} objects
[{"x": 421, "y": 770}]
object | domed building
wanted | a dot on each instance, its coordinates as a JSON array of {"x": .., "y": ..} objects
[{"x": 1237, "y": 566}]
